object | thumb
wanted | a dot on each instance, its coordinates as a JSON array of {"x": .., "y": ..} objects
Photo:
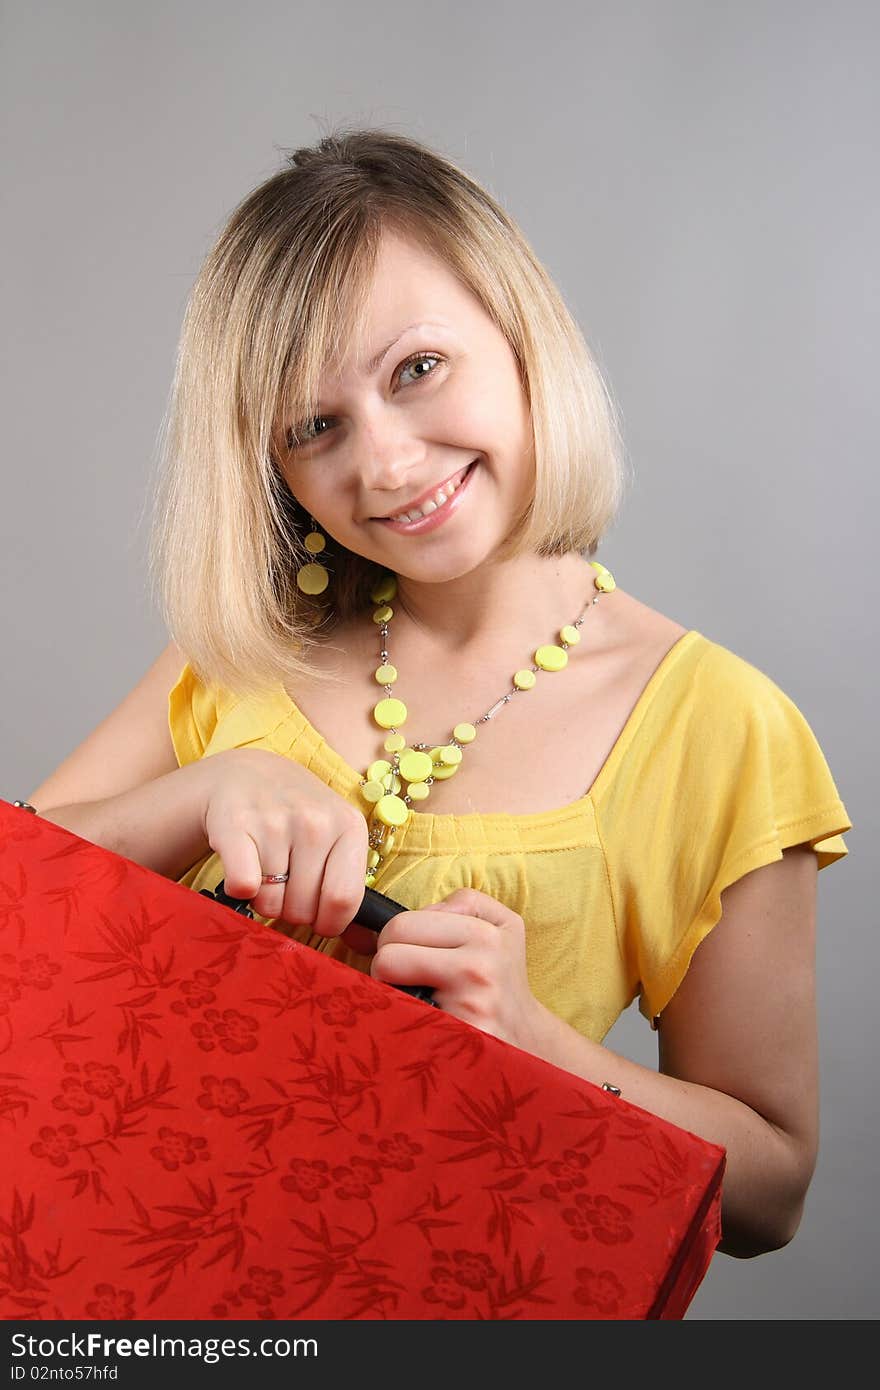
[{"x": 469, "y": 902}]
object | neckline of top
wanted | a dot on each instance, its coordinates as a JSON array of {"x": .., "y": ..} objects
[{"x": 352, "y": 779}]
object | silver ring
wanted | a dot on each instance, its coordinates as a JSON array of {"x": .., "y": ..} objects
[{"x": 275, "y": 878}]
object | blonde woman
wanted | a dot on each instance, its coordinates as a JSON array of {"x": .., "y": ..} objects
[{"x": 389, "y": 463}]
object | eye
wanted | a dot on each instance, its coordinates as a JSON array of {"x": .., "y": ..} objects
[
  {"x": 310, "y": 430},
  {"x": 305, "y": 433},
  {"x": 417, "y": 358}
]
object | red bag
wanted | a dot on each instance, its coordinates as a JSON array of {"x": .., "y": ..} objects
[{"x": 203, "y": 1119}]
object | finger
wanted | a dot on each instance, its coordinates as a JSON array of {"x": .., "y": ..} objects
[
  {"x": 302, "y": 891},
  {"x": 402, "y": 963},
  {"x": 429, "y": 927},
  {"x": 306, "y": 846},
  {"x": 342, "y": 886},
  {"x": 240, "y": 858},
  {"x": 471, "y": 903},
  {"x": 274, "y": 852}
]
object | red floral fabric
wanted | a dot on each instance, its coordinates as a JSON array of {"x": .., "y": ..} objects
[{"x": 203, "y": 1119}]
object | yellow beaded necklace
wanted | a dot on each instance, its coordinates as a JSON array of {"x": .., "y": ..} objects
[{"x": 420, "y": 765}]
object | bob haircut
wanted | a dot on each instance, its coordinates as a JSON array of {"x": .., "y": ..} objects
[{"x": 280, "y": 294}]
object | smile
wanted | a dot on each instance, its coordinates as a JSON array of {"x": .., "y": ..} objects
[{"x": 435, "y": 508}]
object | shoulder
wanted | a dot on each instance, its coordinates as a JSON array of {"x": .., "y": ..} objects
[
  {"x": 631, "y": 639},
  {"x": 205, "y": 716},
  {"x": 627, "y": 619},
  {"x": 722, "y": 679},
  {"x": 742, "y": 700},
  {"x": 712, "y": 724}
]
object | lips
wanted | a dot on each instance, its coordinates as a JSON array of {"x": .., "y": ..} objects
[
  {"x": 441, "y": 514},
  {"x": 419, "y": 502}
]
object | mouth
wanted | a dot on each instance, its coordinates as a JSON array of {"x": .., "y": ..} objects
[{"x": 431, "y": 508}]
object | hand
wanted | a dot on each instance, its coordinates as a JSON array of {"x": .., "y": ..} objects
[
  {"x": 471, "y": 949},
  {"x": 267, "y": 814}
]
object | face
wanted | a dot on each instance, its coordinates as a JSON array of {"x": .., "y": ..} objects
[{"x": 439, "y": 414}]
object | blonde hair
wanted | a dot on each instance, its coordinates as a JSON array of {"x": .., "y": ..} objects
[{"x": 283, "y": 290}]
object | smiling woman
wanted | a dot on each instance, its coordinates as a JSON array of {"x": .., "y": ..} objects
[
  {"x": 368, "y": 249},
  {"x": 416, "y": 452},
  {"x": 387, "y": 426}
]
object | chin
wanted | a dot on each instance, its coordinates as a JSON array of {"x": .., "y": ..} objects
[{"x": 443, "y": 569}]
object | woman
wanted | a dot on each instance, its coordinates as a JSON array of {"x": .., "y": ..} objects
[{"x": 390, "y": 455}]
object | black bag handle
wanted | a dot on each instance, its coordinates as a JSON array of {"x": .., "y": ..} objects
[{"x": 375, "y": 910}]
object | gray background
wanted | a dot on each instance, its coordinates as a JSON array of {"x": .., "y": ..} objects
[{"x": 701, "y": 181}]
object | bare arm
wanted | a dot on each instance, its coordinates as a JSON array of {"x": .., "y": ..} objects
[
  {"x": 122, "y": 788},
  {"x": 132, "y": 744},
  {"x": 738, "y": 1052},
  {"x": 158, "y": 824}
]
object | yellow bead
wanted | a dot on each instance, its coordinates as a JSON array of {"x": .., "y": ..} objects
[
  {"x": 369, "y": 879},
  {"x": 442, "y": 773},
  {"x": 450, "y": 756},
  {"x": 312, "y": 579},
  {"x": 441, "y": 770},
  {"x": 464, "y": 733},
  {"x": 377, "y": 770},
  {"x": 372, "y": 791},
  {"x": 570, "y": 635},
  {"x": 417, "y": 791},
  {"x": 392, "y": 811},
  {"x": 390, "y": 713},
  {"x": 374, "y": 858},
  {"x": 599, "y": 568},
  {"x": 394, "y": 743},
  {"x": 386, "y": 675},
  {"x": 551, "y": 658},
  {"x": 315, "y": 542},
  {"x": 415, "y": 766},
  {"x": 524, "y": 680},
  {"x": 388, "y": 843},
  {"x": 383, "y": 614},
  {"x": 392, "y": 783},
  {"x": 605, "y": 583},
  {"x": 384, "y": 590}
]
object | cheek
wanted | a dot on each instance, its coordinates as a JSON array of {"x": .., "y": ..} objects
[
  {"x": 490, "y": 412},
  {"x": 287, "y": 472},
  {"x": 308, "y": 487}
]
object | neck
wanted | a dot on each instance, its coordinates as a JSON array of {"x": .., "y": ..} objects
[{"x": 530, "y": 594}]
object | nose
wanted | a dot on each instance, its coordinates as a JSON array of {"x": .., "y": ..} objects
[{"x": 387, "y": 455}]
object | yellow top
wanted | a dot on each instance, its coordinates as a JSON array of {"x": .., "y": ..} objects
[{"x": 715, "y": 772}]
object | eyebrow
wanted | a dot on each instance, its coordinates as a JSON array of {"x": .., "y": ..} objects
[{"x": 375, "y": 362}]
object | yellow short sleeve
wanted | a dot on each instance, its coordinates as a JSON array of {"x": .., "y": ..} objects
[
  {"x": 734, "y": 776},
  {"x": 192, "y": 715}
]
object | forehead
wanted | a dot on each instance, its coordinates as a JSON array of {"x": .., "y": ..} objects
[{"x": 411, "y": 284}]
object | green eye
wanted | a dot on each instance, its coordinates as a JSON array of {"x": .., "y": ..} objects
[{"x": 418, "y": 357}]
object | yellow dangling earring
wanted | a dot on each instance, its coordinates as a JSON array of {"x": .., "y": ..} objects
[{"x": 313, "y": 578}]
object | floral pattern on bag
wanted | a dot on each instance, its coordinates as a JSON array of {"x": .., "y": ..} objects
[{"x": 203, "y": 1119}]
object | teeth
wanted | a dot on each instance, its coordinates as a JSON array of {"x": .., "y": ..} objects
[{"x": 439, "y": 497}]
